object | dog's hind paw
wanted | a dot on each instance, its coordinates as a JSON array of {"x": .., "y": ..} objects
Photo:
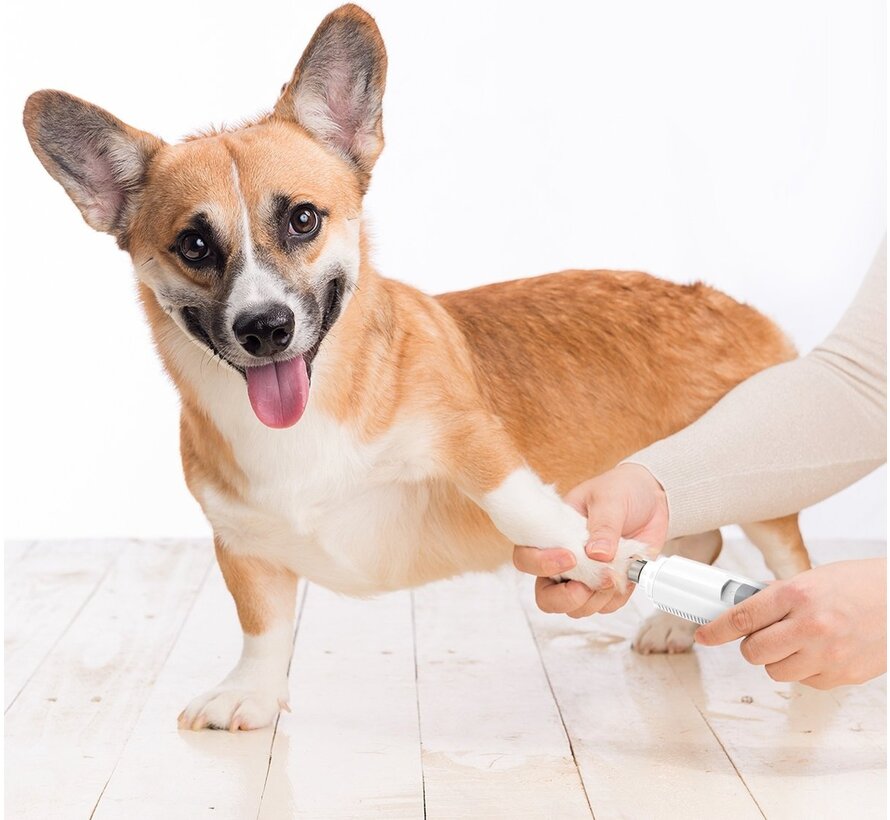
[
  {"x": 232, "y": 708},
  {"x": 663, "y": 633}
]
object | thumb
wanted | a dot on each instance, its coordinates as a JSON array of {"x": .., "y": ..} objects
[
  {"x": 604, "y": 525},
  {"x": 605, "y": 521}
]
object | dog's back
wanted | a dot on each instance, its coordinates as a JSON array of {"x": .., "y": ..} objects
[{"x": 586, "y": 367}]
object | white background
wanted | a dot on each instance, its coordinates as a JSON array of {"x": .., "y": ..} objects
[{"x": 742, "y": 143}]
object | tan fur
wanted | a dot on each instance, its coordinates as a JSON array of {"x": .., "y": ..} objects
[
  {"x": 274, "y": 156},
  {"x": 579, "y": 368},
  {"x": 263, "y": 592},
  {"x": 781, "y": 543}
]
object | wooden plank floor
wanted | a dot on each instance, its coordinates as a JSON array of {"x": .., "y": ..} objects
[{"x": 457, "y": 700}]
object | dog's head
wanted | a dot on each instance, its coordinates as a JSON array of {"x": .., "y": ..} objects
[{"x": 248, "y": 238}]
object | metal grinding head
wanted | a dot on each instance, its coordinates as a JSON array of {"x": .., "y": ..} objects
[{"x": 634, "y": 569}]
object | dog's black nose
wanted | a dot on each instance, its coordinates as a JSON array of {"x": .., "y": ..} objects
[{"x": 267, "y": 332}]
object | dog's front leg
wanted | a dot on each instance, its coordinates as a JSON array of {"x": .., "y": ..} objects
[
  {"x": 252, "y": 694},
  {"x": 484, "y": 463}
]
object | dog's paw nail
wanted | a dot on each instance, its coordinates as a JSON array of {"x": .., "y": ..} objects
[{"x": 234, "y": 708}]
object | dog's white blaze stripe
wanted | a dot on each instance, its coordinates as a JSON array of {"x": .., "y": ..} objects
[
  {"x": 254, "y": 285},
  {"x": 246, "y": 238}
]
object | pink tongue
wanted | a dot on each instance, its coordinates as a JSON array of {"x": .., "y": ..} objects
[{"x": 278, "y": 391}]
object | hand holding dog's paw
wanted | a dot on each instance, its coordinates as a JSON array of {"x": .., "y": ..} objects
[
  {"x": 234, "y": 708},
  {"x": 578, "y": 586},
  {"x": 627, "y": 500},
  {"x": 597, "y": 574}
]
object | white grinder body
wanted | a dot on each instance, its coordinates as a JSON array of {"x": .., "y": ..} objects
[{"x": 689, "y": 589}]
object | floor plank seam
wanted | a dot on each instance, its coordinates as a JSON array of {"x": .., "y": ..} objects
[
  {"x": 717, "y": 738},
  {"x": 562, "y": 721},
  {"x": 161, "y": 666},
  {"x": 417, "y": 702},
  {"x": 64, "y": 632},
  {"x": 297, "y": 623}
]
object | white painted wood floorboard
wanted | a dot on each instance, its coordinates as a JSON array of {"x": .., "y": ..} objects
[
  {"x": 66, "y": 729},
  {"x": 350, "y": 747},
  {"x": 493, "y": 741},
  {"x": 165, "y": 773},
  {"x": 643, "y": 748},
  {"x": 457, "y": 700},
  {"x": 43, "y": 595}
]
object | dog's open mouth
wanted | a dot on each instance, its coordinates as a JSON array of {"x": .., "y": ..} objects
[{"x": 279, "y": 389}]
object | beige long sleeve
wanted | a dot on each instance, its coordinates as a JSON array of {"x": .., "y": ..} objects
[{"x": 789, "y": 436}]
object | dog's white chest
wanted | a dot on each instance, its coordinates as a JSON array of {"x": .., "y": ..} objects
[{"x": 345, "y": 513}]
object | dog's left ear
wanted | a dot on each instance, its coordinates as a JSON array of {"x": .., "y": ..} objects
[{"x": 336, "y": 92}]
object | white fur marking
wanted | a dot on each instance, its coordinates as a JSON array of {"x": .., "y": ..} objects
[
  {"x": 662, "y": 632},
  {"x": 250, "y": 696},
  {"x": 256, "y": 286},
  {"x": 531, "y": 513},
  {"x": 246, "y": 239}
]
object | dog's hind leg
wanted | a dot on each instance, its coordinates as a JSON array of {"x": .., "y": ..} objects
[
  {"x": 781, "y": 543},
  {"x": 252, "y": 694},
  {"x": 662, "y": 632}
]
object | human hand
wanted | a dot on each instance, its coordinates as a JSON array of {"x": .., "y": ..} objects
[
  {"x": 825, "y": 627},
  {"x": 625, "y": 502}
]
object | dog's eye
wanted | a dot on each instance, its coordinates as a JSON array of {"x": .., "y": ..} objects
[
  {"x": 304, "y": 222},
  {"x": 193, "y": 247}
]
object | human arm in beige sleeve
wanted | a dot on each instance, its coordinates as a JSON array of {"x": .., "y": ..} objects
[{"x": 789, "y": 436}]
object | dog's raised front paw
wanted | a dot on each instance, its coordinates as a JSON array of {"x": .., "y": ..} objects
[
  {"x": 594, "y": 573},
  {"x": 233, "y": 708},
  {"x": 661, "y": 633}
]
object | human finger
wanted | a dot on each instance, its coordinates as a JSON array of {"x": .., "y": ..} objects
[
  {"x": 797, "y": 667},
  {"x": 542, "y": 562},
  {"x": 757, "y": 612},
  {"x": 595, "y": 603},
  {"x": 605, "y": 521},
  {"x": 771, "y": 644},
  {"x": 554, "y": 596}
]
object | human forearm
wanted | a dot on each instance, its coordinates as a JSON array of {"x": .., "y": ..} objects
[{"x": 788, "y": 437}]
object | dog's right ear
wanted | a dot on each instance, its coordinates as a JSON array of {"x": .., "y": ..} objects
[
  {"x": 336, "y": 92},
  {"x": 99, "y": 160}
]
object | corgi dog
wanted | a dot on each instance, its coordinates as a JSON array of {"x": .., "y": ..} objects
[{"x": 353, "y": 430}]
